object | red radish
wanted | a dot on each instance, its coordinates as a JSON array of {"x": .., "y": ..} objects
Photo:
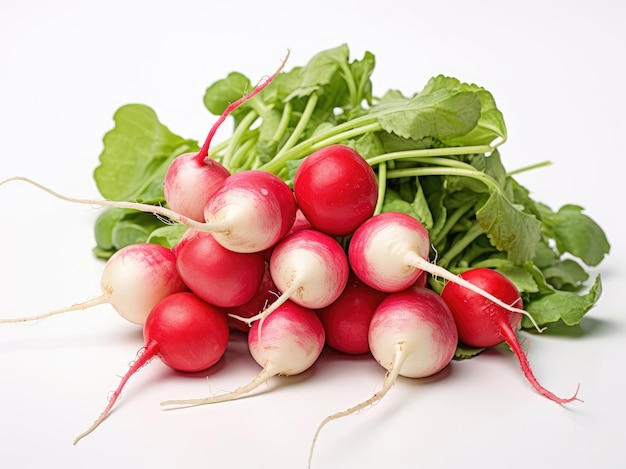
[
  {"x": 186, "y": 333},
  {"x": 190, "y": 182},
  {"x": 217, "y": 275},
  {"x": 292, "y": 341},
  {"x": 390, "y": 251},
  {"x": 347, "y": 320},
  {"x": 310, "y": 268},
  {"x": 413, "y": 334},
  {"x": 336, "y": 189},
  {"x": 481, "y": 323},
  {"x": 265, "y": 296},
  {"x": 133, "y": 281}
]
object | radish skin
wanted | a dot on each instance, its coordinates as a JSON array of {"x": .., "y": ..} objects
[
  {"x": 390, "y": 251},
  {"x": 186, "y": 333},
  {"x": 133, "y": 281},
  {"x": 292, "y": 341},
  {"x": 413, "y": 334},
  {"x": 336, "y": 189},
  {"x": 347, "y": 320},
  {"x": 217, "y": 275},
  {"x": 310, "y": 268},
  {"x": 482, "y": 323},
  {"x": 190, "y": 182}
]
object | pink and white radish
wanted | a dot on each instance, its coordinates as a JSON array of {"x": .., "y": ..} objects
[
  {"x": 413, "y": 334},
  {"x": 292, "y": 341},
  {"x": 218, "y": 275},
  {"x": 481, "y": 323},
  {"x": 250, "y": 212},
  {"x": 186, "y": 333},
  {"x": 347, "y": 320},
  {"x": 189, "y": 183},
  {"x": 192, "y": 178},
  {"x": 133, "y": 281},
  {"x": 309, "y": 268},
  {"x": 389, "y": 252},
  {"x": 336, "y": 189}
]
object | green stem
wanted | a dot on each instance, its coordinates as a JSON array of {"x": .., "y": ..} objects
[
  {"x": 445, "y": 171},
  {"x": 243, "y": 126},
  {"x": 459, "y": 246},
  {"x": 244, "y": 156},
  {"x": 336, "y": 134},
  {"x": 529, "y": 168},
  {"x": 284, "y": 123},
  {"x": 382, "y": 187},
  {"x": 302, "y": 123},
  {"x": 451, "y": 221},
  {"x": 430, "y": 152}
]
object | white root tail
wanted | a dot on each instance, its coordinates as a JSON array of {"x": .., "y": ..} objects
[
  {"x": 392, "y": 374},
  {"x": 148, "y": 208},
  {"x": 418, "y": 262},
  {"x": 264, "y": 375},
  {"x": 78, "y": 306}
]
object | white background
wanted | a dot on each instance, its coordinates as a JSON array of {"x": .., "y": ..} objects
[{"x": 556, "y": 69}]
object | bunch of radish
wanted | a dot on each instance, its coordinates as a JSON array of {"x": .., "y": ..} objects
[{"x": 296, "y": 268}]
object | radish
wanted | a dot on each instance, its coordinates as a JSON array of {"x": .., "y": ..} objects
[
  {"x": 190, "y": 182},
  {"x": 192, "y": 178},
  {"x": 413, "y": 334},
  {"x": 389, "y": 252},
  {"x": 265, "y": 296},
  {"x": 347, "y": 320},
  {"x": 336, "y": 189},
  {"x": 481, "y": 323},
  {"x": 217, "y": 275},
  {"x": 133, "y": 281},
  {"x": 186, "y": 333},
  {"x": 253, "y": 210},
  {"x": 292, "y": 340},
  {"x": 250, "y": 212},
  {"x": 310, "y": 268}
]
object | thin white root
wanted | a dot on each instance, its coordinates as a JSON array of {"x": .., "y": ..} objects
[
  {"x": 273, "y": 307},
  {"x": 420, "y": 263},
  {"x": 392, "y": 374},
  {"x": 148, "y": 208},
  {"x": 264, "y": 375},
  {"x": 79, "y": 306}
]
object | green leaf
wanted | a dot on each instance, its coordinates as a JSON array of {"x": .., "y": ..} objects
[
  {"x": 320, "y": 71},
  {"x": 222, "y": 93},
  {"x": 438, "y": 113},
  {"x": 137, "y": 151},
  {"x": 566, "y": 274},
  {"x": 509, "y": 229},
  {"x": 168, "y": 235},
  {"x": 576, "y": 233},
  {"x": 464, "y": 352},
  {"x": 563, "y": 306}
]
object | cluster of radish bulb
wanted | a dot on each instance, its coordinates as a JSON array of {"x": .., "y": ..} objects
[{"x": 263, "y": 258}]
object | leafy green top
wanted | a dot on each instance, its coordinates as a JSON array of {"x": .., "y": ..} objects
[{"x": 436, "y": 154}]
